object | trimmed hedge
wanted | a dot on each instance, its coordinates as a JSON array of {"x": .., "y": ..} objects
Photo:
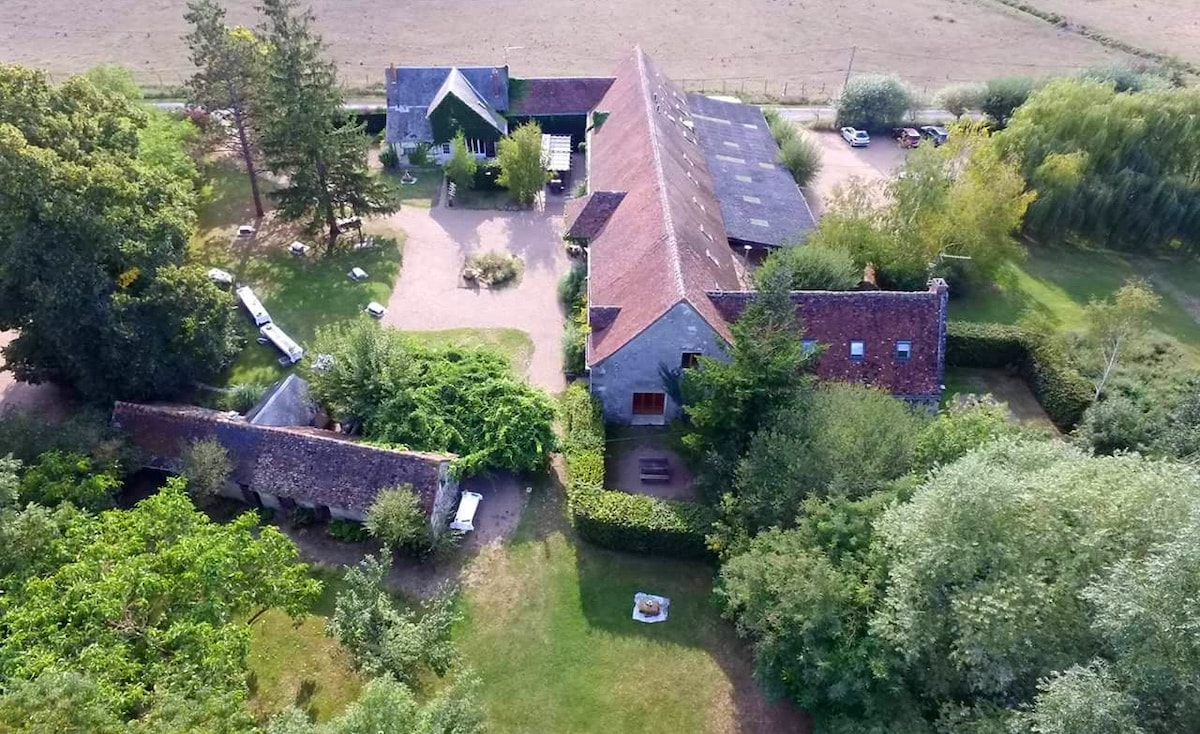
[
  {"x": 1056, "y": 383},
  {"x": 619, "y": 520}
]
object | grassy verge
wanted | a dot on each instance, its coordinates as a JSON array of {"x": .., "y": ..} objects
[
  {"x": 424, "y": 193},
  {"x": 296, "y": 664},
  {"x": 512, "y": 343}
]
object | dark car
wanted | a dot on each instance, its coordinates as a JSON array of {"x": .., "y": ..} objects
[
  {"x": 936, "y": 134},
  {"x": 906, "y": 137}
]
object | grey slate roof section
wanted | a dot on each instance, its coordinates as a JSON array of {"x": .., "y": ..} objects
[
  {"x": 457, "y": 85},
  {"x": 411, "y": 89},
  {"x": 760, "y": 203},
  {"x": 286, "y": 404}
]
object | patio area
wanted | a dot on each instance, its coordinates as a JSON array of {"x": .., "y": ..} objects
[
  {"x": 631, "y": 451},
  {"x": 431, "y": 293}
]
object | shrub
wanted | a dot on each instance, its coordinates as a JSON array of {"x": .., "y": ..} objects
[
  {"x": 206, "y": 466},
  {"x": 520, "y": 157},
  {"x": 389, "y": 158},
  {"x": 1055, "y": 381},
  {"x": 419, "y": 156},
  {"x": 27, "y": 436},
  {"x": 617, "y": 519},
  {"x": 462, "y": 164},
  {"x": 874, "y": 102},
  {"x": 802, "y": 157},
  {"x": 242, "y": 396},
  {"x": 782, "y": 130},
  {"x": 1113, "y": 424},
  {"x": 347, "y": 531},
  {"x": 572, "y": 288},
  {"x": 812, "y": 268},
  {"x": 958, "y": 99},
  {"x": 397, "y": 520},
  {"x": 493, "y": 268},
  {"x": 60, "y": 477},
  {"x": 1003, "y": 96}
]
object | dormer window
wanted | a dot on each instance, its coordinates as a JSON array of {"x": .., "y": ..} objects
[
  {"x": 858, "y": 350},
  {"x": 903, "y": 350}
]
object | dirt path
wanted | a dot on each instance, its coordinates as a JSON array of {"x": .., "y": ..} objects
[{"x": 430, "y": 293}]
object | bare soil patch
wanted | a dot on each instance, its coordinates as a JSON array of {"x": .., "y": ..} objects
[{"x": 752, "y": 46}]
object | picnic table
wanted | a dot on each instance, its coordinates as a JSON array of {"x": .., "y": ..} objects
[{"x": 654, "y": 469}]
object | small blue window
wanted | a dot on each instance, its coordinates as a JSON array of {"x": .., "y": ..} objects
[
  {"x": 903, "y": 350},
  {"x": 858, "y": 350},
  {"x": 808, "y": 345}
]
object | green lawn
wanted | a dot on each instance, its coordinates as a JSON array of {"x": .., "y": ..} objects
[
  {"x": 424, "y": 193},
  {"x": 297, "y": 664},
  {"x": 514, "y": 344},
  {"x": 1057, "y": 282},
  {"x": 550, "y": 634}
]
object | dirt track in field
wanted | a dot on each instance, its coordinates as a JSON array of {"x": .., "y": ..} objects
[{"x": 750, "y": 45}]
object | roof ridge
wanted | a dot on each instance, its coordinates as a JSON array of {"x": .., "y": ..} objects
[{"x": 668, "y": 222}]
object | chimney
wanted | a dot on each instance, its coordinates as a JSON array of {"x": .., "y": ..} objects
[
  {"x": 939, "y": 285},
  {"x": 390, "y": 73},
  {"x": 495, "y": 85}
]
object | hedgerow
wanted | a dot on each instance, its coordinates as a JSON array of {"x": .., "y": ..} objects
[
  {"x": 616, "y": 519},
  {"x": 1057, "y": 384}
]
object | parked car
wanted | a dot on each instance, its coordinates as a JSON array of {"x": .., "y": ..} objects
[
  {"x": 936, "y": 133},
  {"x": 376, "y": 309},
  {"x": 906, "y": 137},
  {"x": 855, "y": 137}
]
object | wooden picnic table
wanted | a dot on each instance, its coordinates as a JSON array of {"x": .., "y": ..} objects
[{"x": 654, "y": 469}]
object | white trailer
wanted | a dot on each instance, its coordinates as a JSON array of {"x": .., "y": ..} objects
[
  {"x": 253, "y": 306},
  {"x": 291, "y": 350}
]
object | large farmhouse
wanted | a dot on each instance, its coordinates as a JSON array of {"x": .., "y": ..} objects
[{"x": 684, "y": 192}]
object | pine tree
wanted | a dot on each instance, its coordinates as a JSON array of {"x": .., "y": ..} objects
[
  {"x": 230, "y": 65},
  {"x": 306, "y": 136}
]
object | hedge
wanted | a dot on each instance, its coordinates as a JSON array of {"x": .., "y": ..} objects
[
  {"x": 1054, "y": 380},
  {"x": 619, "y": 520}
]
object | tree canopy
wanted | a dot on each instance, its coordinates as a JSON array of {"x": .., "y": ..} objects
[
  {"x": 874, "y": 102},
  {"x": 94, "y": 223},
  {"x": 522, "y": 170}
]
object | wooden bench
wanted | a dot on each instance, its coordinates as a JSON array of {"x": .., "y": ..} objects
[{"x": 654, "y": 470}]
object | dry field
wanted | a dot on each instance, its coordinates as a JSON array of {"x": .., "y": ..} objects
[
  {"x": 805, "y": 44},
  {"x": 1166, "y": 26}
]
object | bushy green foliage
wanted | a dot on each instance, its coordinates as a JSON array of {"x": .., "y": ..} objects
[
  {"x": 207, "y": 467},
  {"x": 384, "y": 639},
  {"x": 1053, "y": 377},
  {"x": 963, "y": 427},
  {"x": 811, "y": 268},
  {"x": 59, "y": 477},
  {"x": 243, "y": 396},
  {"x": 93, "y": 237},
  {"x": 389, "y": 158},
  {"x": 1001, "y": 97},
  {"x": 89, "y": 431},
  {"x": 464, "y": 401},
  {"x": 572, "y": 294},
  {"x": 1114, "y": 424},
  {"x": 397, "y": 519},
  {"x": 615, "y": 519},
  {"x": 802, "y": 157},
  {"x": 1107, "y": 166},
  {"x": 419, "y": 156},
  {"x": 874, "y": 102},
  {"x": 146, "y": 602},
  {"x": 493, "y": 268},
  {"x": 462, "y": 164},
  {"x": 347, "y": 531},
  {"x": 958, "y": 99},
  {"x": 522, "y": 170},
  {"x": 781, "y": 129}
]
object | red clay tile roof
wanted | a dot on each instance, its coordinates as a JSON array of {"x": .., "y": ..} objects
[
  {"x": 665, "y": 242},
  {"x": 877, "y": 318},
  {"x": 563, "y": 95},
  {"x": 592, "y": 213},
  {"x": 304, "y": 464}
]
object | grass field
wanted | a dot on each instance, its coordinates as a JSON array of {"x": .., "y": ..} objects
[
  {"x": 1057, "y": 282},
  {"x": 750, "y": 47},
  {"x": 1170, "y": 27}
]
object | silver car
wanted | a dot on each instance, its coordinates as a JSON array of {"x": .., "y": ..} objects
[{"x": 855, "y": 137}]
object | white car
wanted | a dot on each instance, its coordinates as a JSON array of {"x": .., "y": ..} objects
[
  {"x": 855, "y": 137},
  {"x": 357, "y": 274},
  {"x": 375, "y": 309}
]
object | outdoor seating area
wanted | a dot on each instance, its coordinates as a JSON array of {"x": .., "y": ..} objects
[
  {"x": 656, "y": 469},
  {"x": 644, "y": 460}
]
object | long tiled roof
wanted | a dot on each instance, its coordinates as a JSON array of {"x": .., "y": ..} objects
[
  {"x": 665, "y": 242},
  {"x": 304, "y": 464},
  {"x": 760, "y": 203},
  {"x": 560, "y": 95}
]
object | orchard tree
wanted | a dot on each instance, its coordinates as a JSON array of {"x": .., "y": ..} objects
[
  {"x": 306, "y": 135},
  {"x": 94, "y": 225},
  {"x": 522, "y": 170},
  {"x": 230, "y": 73}
]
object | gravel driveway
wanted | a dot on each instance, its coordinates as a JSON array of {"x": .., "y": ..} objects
[
  {"x": 840, "y": 163},
  {"x": 430, "y": 293}
]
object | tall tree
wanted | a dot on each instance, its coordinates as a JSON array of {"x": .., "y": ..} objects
[
  {"x": 306, "y": 135},
  {"x": 1113, "y": 323},
  {"x": 230, "y": 66},
  {"x": 522, "y": 169},
  {"x": 93, "y": 224}
]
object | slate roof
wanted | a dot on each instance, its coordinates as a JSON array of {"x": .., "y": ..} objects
[
  {"x": 286, "y": 404},
  {"x": 456, "y": 85},
  {"x": 304, "y": 464},
  {"x": 563, "y": 95},
  {"x": 412, "y": 89},
  {"x": 594, "y": 212},
  {"x": 878, "y": 319},
  {"x": 760, "y": 202},
  {"x": 664, "y": 243}
]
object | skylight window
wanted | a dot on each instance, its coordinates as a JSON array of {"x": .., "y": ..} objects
[
  {"x": 751, "y": 199},
  {"x": 760, "y": 223},
  {"x": 730, "y": 159},
  {"x": 762, "y": 164},
  {"x": 744, "y": 179}
]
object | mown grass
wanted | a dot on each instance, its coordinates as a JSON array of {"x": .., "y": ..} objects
[
  {"x": 1056, "y": 283},
  {"x": 513, "y": 344},
  {"x": 424, "y": 193}
]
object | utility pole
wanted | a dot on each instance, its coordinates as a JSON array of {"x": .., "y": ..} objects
[{"x": 850, "y": 66}]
